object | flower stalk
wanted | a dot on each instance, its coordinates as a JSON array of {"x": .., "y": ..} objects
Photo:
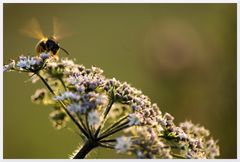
[
  {"x": 103, "y": 108},
  {"x": 86, "y": 148}
]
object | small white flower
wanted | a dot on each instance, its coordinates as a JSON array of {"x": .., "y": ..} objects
[
  {"x": 80, "y": 88},
  {"x": 32, "y": 61},
  {"x": 101, "y": 99},
  {"x": 68, "y": 95},
  {"x": 52, "y": 64},
  {"x": 72, "y": 80},
  {"x": 159, "y": 129},
  {"x": 133, "y": 119},
  {"x": 74, "y": 107},
  {"x": 168, "y": 116},
  {"x": 183, "y": 135},
  {"x": 9, "y": 66},
  {"x": 5, "y": 68},
  {"x": 74, "y": 69},
  {"x": 123, "y": 144},
  {"x": 93, "y": 118},
  {"x": 162, "y": 121},
  {"x": 44, "y": 55},
  {"x": 97, "y": 70},
  {"x": 60, "y": 98},
  {"x": 186, "y": 126},
  {"x": 140, "y": 154},
  {"x": 22, "y": 63},
  {"x": 67, "y": 62}
]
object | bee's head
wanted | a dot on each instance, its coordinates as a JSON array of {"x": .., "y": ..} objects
[
  {"x": 52, "y": 39},
  {"x": 52, "y": 45}
]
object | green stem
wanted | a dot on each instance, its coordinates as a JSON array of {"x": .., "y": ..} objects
[
  {"x": 111, "y": 102},
  {"x": 114, "y": 125},
  {"x": 111, "y": 140},
  {"x": 108, "y": 107},
  {"x": 24, "y": 71},
  {"x": 106, "y": 146},
  {"x": 81, "y": 121},
  {"x": 114, "y": 131},
  {"x": 88, "y": 128},
  {"x": 63, "y": 84}
]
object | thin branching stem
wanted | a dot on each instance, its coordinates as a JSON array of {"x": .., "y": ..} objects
[
  {"x": 109, "y": 106},
  {"x": 111, "y": 102},
  {"x": 82, "y": 123},
  {"x": 63, "y": 84},
  {"x": 63, "y": 105},
  {"x": 114, "y": 125},
  {"x": 110, "y": 140},
  {"x": 114, "y": 131},
  {"x": 24, "y": 71},
  {"x": 106, "y": 146},
  {"x": 88, "y": 127}
]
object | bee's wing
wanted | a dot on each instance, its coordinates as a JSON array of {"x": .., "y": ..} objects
[
  {"x": 32, "y": 29},
  {"x": 59, "y": 30}
]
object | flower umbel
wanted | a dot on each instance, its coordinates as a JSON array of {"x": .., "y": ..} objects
[{"x": 109, "y": 113}]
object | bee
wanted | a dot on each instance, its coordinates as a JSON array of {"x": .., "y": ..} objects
[
  {"x": 49, "y": 44},
  {"x": 45, "y": 44}
]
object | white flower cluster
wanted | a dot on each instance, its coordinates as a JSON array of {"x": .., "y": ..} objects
[
  {"x": 102, "y": 107},
  {"x": 28, "y": 63}
]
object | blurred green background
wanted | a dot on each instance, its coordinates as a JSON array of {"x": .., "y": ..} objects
[{"x": 183, "y": 56}]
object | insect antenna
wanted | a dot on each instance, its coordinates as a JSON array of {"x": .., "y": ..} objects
[{"x": 64, "y": 50}]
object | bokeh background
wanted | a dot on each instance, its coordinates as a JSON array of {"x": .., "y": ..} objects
[{"x": 183, "y": 56}]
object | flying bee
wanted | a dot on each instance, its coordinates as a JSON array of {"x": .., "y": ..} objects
[
  {"x": 45, "y": 44},
  {"x": 49, "y": 45}
]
